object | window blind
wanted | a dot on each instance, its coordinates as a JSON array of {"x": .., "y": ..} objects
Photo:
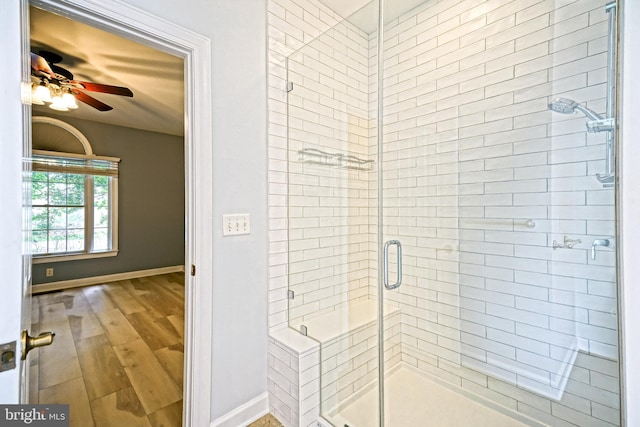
[{"x": 74, "y": 163}]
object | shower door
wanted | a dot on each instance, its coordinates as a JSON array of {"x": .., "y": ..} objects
[
  {"x": 457, "y": 263},
  {"x": 497, "y": 248}
]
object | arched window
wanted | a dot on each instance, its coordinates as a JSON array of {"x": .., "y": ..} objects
[{"x": 74, "y": 198}]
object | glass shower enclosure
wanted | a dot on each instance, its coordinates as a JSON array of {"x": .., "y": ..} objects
[{"x": 451, "y": 213}]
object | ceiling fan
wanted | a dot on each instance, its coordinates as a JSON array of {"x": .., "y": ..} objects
[{"x": 56, "y": 85}]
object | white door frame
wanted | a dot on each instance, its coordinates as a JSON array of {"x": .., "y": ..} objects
[
  {"x": 135, "y": 24},
  {"x": 12, "y": 140}
]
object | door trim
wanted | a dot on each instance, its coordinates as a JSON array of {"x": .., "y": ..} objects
[
  {"x": 145, "y": 28},
  {"x": 11, "y": 162}
]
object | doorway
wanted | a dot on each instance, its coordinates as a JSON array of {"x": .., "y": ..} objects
[
  {"x": 119, "y": 340},
  {"x": 195, "y": 50}
]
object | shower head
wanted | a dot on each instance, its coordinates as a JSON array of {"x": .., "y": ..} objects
[
  {"x": 563, "y": 105},
  {"x": 568, "y": 106}
]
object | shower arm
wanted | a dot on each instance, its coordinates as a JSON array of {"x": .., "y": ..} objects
[{"x": 589, "y": 113}]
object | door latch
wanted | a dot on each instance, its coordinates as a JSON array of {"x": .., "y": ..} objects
[
  {"x": 7, "y": 356},
  {"x": 29, "y": 343}
]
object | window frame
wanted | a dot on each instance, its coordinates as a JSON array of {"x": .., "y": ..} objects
[{"x": 89, "y": 225}]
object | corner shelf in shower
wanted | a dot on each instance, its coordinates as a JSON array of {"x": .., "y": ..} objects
[{"x": 339, "y": 160}]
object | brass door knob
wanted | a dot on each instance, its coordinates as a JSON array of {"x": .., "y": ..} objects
[{"x": 29, "y": 343}]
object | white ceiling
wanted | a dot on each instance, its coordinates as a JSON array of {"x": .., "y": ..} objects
[
  {"x": 364, "y": 13},
  {"x": 155, "y": 78}
]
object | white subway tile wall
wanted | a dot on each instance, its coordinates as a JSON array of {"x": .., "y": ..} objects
[
  {"x": 295, "y": 401},
  {"x": 349, "y": 363},
  {"x": 480, "y": 180},
  {"x": 293, "y": 379},
  {"x": 329, "y": 236}
]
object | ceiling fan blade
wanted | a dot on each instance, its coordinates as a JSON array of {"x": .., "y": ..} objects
[
  {"x": 89, "y": 100},
  {"x": 98, "y": 87}
]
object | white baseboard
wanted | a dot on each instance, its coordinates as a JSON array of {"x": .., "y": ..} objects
[
  {"x": 87, "y": 281},
  {"x": 245, "y": 414}
]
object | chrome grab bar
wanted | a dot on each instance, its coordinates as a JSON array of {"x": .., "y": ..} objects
[{"x": 386, "y": 264}]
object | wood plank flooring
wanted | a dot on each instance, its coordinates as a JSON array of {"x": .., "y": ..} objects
[
  {"x": 266, "y": 421},
  {"x": 118, "y": 354}
]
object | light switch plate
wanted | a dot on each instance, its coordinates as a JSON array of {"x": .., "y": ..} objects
[{"x": 235, "y": 224}]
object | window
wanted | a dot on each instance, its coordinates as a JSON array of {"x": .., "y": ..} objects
[{"x": 74, "y": 199}]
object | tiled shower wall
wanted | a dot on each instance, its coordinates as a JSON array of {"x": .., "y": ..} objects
[
  {"x": 474, "y": 160},
  {"x": 330, "y": 242},
  {"x": 291, "y": 25},
  {"x": 319, "y": 222},
  {"x": 483, "y": 178}
]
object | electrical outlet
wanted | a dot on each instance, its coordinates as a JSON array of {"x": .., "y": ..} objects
[
  {"x": 234, "y": 224},
  {"x": 48, "y": 272}
]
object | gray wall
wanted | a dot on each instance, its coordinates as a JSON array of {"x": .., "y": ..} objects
[
  {"x": 239, "y": 304},
  {"x": 150, "y": 202}
]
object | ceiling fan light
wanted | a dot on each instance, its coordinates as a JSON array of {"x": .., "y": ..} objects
[
  {"x": 58, "y": 104},
  {"x": 40, "y": 95},
  {"x": 35, "y": 100},
  {"x": 69, "y": 101}
]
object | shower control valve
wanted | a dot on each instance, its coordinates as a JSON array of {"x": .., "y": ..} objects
[{"x": 598, "y": 242}]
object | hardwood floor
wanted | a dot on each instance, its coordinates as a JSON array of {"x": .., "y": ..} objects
[
  {"x": 266, "y": 421},
  {"x": 118, "y": 353}
]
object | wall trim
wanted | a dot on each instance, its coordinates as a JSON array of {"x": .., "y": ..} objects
[
  {"x": 46, "y": 120},
  {"x": 245, "y": 414},
  {"x": 95, "y": 280}
]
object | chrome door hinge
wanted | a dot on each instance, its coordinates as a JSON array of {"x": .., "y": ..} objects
[
  {"x": 289, "y": 86},
  {"x": 291, "y": 294},
  {"x": 193, "y": 269}
]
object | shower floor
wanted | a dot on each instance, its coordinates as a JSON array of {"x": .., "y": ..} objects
[{"x": 414, "y": 400}]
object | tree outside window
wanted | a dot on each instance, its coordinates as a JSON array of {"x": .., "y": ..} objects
[{"x": 74, "y": 201}]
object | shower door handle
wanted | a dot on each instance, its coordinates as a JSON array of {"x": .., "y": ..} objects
[{"x": 386, "y": 264}]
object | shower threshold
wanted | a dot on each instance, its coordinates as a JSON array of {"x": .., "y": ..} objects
[{"x": 412, "y": 399}]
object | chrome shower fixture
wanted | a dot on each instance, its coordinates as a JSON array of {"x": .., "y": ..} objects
[
  {"x": 568, "y": 106},
  {"x": 596, "y": 122}
]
